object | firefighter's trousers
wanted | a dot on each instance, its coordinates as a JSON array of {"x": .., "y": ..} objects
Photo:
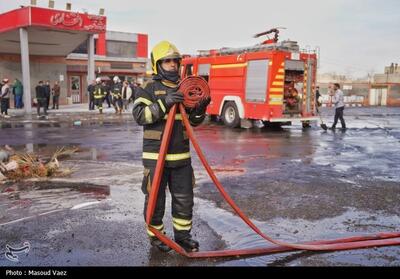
[
  {"x": 180, "y": 181},
  {"x": 117, "y": 103},
  {"x": 98, "y": 101}
]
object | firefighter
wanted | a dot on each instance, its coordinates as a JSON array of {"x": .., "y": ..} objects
[
  {"x": 151, "y": 106},
  {"x": 99, "y": 94},
  {"x": 116, "y": 92}
]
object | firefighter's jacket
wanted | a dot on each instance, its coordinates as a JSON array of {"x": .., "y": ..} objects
[
  {"x": 99, "y": 91},
  {"x": 116, "y": 91},
  {"x": 150, "y": 111}
]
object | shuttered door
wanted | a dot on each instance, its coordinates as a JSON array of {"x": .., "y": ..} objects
[{"x": 257, "y": 80}]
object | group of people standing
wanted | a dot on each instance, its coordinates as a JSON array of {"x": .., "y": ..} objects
[
  {"x": 119, "y": 94},
  {"x": 44, "y": 91}
]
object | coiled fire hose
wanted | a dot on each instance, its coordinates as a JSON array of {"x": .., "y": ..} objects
[{"x": 196, "y": 89}]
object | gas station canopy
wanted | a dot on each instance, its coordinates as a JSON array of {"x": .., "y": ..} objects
[
  {"x": 40, "y": 31},
  {"x": 51, "y": 32}
]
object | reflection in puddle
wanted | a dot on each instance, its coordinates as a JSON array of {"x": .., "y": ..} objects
[
  {"x": 28, "y": 199},
  {"x": 65, "y": 122}
]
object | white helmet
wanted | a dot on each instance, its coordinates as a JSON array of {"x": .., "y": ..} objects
[
  {"x": 98, "y": 80},
  {"x": 116, "y": 79}
]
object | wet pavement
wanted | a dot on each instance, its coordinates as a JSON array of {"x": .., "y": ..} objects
[{"x": 296, "y": 185}]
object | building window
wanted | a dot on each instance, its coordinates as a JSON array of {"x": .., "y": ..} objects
[
  {"x": 83, "y": 47},
  {"x": 121, "y": 49}
]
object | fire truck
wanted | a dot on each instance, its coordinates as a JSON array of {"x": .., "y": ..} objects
[{"x": 272, "y": 81}]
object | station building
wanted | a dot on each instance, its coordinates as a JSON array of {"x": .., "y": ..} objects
[{"x": 73, "y": 48}]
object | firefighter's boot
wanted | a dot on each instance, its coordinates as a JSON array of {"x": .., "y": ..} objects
[
  {"x": 154, "y": 241},
  {"x": 189, "y": 244}
]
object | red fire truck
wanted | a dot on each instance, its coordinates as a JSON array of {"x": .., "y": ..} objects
[{"x": 273, "y": 82}]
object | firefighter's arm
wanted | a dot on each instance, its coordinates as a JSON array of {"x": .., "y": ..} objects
[{"x": 145, "y": 111}]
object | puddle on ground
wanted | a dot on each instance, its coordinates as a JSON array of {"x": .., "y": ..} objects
[
  {"x": 24, "y": 200},
  {"x": 46, "y": 151},
  {"x": 66, "y": 121},
  {"x": 237, "y": 235}
]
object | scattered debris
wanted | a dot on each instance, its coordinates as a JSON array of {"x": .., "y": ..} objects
[
  {"x": 5, "y": 153},
  {"x": 2, "y": 177},
  {"x": 29, "y": 165}
]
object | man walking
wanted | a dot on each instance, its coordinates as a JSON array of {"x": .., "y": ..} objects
[
  {"x": 90, "y": 90},
  {"x": 99, "y": 94},
  {"x": 338, "y": 101},
  {"x": 116, "y": 91}
]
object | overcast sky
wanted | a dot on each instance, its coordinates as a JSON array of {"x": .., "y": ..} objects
[{"x": 355, "y": 37}]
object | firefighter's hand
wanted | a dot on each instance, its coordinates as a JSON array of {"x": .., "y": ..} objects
[
  {"x": 173, "y": 98},
  {"x": 202, "y": 106}
]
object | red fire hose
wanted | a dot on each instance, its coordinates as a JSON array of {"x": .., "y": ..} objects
[{"x": 194, "y": 90}]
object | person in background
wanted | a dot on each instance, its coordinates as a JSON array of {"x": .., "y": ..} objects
[
  {"x": 126, "y": 94},
  {"x": 41, "y": 97},
  {"x": 99, "y": 94},
  {"x": 56, "y": 94},
  {"x": 108, "y": 96},
  {"x": 18, "y": 93},
  {"x": 48, "y": 91},
  {"x": 317, "y": 99},
  {"x": 116, "y": 91},
  {"x": 338, "y": 101},
  {"x": 90, "y": 90},
  {"x": 5, "y": 94}
]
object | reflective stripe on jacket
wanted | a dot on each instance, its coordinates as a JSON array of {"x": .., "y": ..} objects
[{"x": 150, "y": 110}]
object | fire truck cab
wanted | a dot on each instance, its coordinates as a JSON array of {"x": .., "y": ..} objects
[{"x": 272, "y": 82}]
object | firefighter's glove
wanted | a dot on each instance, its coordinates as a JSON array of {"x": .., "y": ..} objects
[
  {"x": 202, "y": 106},
  {"x": 173, "y": 98}
]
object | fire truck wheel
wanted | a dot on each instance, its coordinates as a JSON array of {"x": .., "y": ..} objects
[{"x": 230, "y": 115}]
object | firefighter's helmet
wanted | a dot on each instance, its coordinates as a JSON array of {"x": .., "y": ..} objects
[
  {"x": 116, "y": 79},
  {"x": 98, "y": 80},
  {"x": 161, "y": 51}
]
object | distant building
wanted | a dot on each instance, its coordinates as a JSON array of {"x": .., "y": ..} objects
[
  {"x": 390, "y": 75},
  {"x": 356, "y": 92},
  {"x": 380, "y": 90},
  {"x": 386, "y": 87}
]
